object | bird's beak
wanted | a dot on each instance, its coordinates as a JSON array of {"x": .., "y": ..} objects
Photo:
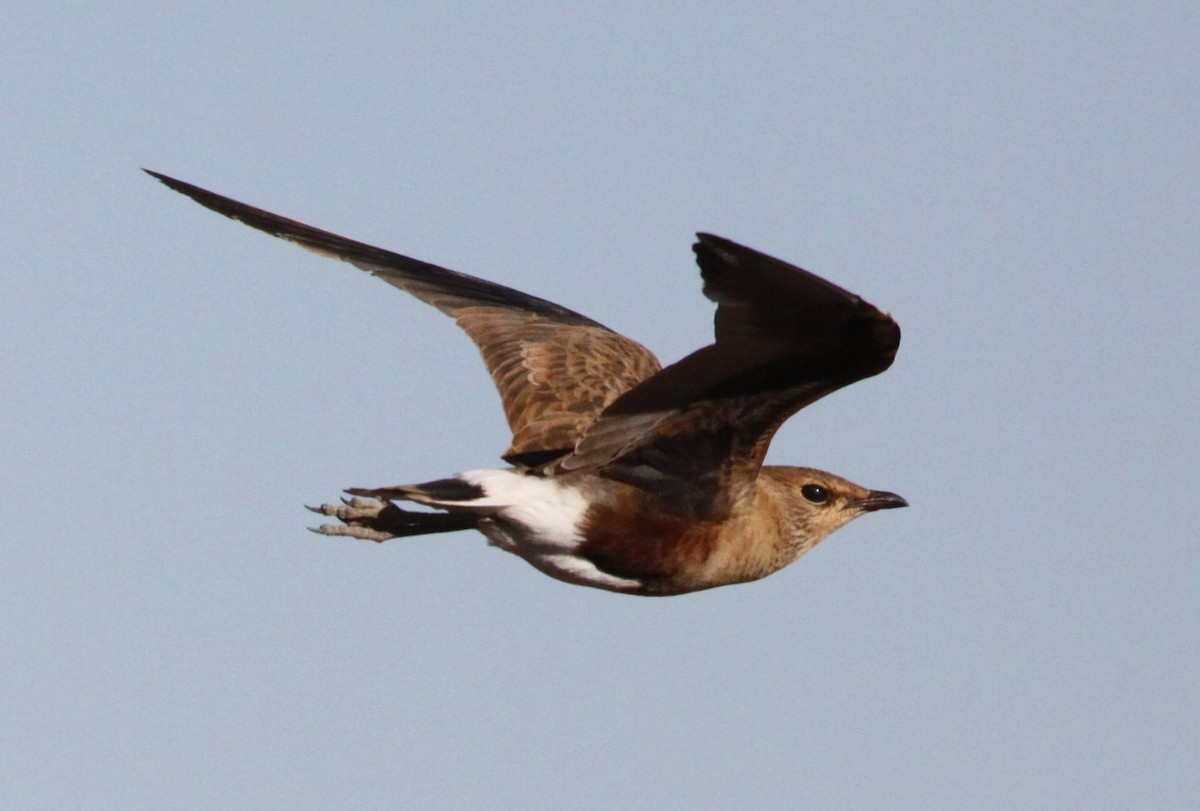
[{"x": 879, "y": 500}]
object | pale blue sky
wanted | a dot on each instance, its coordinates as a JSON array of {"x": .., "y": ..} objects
[{"x": 1018, "y": 184}]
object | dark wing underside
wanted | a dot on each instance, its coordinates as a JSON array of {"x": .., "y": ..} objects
[
  {"x": 695, "y": 434},
  {"x": 555, "y": 369}
]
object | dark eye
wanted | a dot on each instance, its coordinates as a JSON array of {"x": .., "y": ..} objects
[{"x": 815, "y": 493}]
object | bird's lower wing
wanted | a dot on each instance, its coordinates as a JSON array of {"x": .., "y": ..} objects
[{"x": 696, "y": 433}]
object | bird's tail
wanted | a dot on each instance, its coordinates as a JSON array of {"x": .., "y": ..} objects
[
  {"x": 452, "y": 497},
  {"x": 452, "y": 494}
]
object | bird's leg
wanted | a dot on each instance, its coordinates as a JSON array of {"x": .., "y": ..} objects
[
  {"x": 365, "y": 518},
  {"x": 375, "y": 519}
]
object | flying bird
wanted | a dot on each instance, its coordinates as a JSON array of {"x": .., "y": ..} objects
[{"x": 623, "y": 475}]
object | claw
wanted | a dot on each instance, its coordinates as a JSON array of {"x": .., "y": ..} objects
[{"x": 362, "y": 533}]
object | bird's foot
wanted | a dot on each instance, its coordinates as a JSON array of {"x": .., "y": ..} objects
[{"x": 360, "y": 517}]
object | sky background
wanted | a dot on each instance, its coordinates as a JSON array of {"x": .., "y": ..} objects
[{"x": 1018, "y": 184}]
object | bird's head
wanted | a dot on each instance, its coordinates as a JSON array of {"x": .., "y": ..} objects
[{"x": 817, "y": 503}]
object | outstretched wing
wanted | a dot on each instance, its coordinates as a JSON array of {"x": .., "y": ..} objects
[
  {"x": 695, "y": 434},
  {"x": 555, "y": 369}
]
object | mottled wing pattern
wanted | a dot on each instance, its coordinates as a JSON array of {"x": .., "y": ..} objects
[
  {"x": 555, "y": 369},
  {"x": 553, "y": 379},
  {"x": 695, "y": 434}
]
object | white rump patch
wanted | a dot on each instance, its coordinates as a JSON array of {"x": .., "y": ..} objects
[
  {"x": 551, "y": 512},
  {"x": 541, "y": 521}
]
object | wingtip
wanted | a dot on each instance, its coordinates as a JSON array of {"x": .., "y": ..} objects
[
  {"x": 225, "y": 206},
  {"x": 170, "y": 182},
  {"x": 186, "y": 189},
  {"x": 708, "y": 246},
  {"x": 159, "y": 176}
]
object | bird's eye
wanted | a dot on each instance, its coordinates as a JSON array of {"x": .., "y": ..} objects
[{"x": 815, "y": 493}]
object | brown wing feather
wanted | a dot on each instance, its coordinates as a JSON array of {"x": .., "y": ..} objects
[
  {"x": 696, "y": 433},
  {"x": 553, "y": 380},
  {"x": 555, "y": 369}
]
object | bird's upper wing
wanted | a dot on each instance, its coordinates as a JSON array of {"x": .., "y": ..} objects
[
  {"x": 695, "y": 434},
  {"x": 556, "y": 370}
]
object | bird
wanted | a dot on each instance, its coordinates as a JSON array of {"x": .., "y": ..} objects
[{"x": 624, "y": 475}]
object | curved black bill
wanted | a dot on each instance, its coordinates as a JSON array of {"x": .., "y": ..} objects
[{"x": 880, "y": 500}]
